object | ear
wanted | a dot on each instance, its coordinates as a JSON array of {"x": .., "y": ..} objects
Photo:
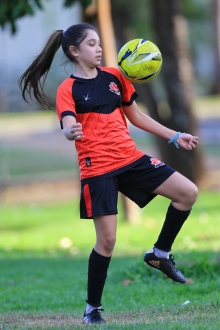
[{"x": 73, "y": 51}]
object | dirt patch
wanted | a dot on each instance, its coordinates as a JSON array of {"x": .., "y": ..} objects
[{"x": 15, "y": 321}]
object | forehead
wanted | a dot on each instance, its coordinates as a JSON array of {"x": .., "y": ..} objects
[{"x": 91, "y": 34}]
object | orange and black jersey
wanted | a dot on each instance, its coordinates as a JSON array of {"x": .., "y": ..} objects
[{"x": 107, "y": 148}]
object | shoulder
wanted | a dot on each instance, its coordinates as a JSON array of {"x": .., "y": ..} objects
[
  {"x": 116, "y": 73},
  {"x": 125, "y": 83},
  {"x": 66, "y": 84},
  {"x": 64, "y": 90},
  {"x": 112, "y": 70}
]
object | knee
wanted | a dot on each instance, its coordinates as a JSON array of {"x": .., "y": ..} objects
[
  {"x": 192, "y": 194},
  {"x": 109, "y": 243}
]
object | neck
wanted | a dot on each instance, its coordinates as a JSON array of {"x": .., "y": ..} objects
[{"x": 85, "y": 73}]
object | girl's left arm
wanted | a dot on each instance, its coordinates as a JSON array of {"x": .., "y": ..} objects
[{"x": 148, "y": 124}]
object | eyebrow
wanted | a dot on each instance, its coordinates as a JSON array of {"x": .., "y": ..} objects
[{"x": 93, "y": 39}]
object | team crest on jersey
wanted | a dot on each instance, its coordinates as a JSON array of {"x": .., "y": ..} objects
[
  {"x": 156, "y": 162},
  {"x": 114, "y": 88}
]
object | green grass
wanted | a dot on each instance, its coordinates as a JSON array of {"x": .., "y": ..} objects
[
  {"x": 54, "y": 288},
  {"x": 44, "y": 250},
  {"x": 40, "y": 228},
  {"x": 43, "y": 265}
]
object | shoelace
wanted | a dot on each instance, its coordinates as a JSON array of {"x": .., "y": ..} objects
[
  {"x": 97, "y": 314},
  {"x": 171, "y": 258}
]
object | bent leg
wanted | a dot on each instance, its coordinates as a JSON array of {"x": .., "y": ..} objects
[
  {"x": 180, "y": 190},
  {"x": 183, "y": 194}
]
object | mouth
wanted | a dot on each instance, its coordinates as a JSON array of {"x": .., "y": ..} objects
[{"x": 99, "y": 58}]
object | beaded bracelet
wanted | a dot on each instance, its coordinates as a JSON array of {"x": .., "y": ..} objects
[{"x": 175, "y": 139}]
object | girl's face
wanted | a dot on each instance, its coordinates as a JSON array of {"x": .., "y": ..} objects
[{"x": 89, "y": 52}]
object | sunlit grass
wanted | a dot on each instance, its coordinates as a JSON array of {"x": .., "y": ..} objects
[
  {"x": 44, "y": 227},
  {"x": 43, "y": 261}
]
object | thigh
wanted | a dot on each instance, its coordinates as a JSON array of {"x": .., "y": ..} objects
[
  {"x": 179, "y": 189},
  {"x": 140, "y": 182},
  {"x": 105, "y": 226}
]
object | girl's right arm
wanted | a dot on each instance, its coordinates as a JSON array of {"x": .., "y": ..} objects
[{"x": 72, "y": 130}]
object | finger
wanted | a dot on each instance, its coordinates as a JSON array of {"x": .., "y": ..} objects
[
  {"x": 76, "y": 126},
  {"x": 79, "y": 125},
  {"x": 193, "y": 142},
  {"x": 192, "y": 145},
  {"x": 195, "y": 139},
  {"x": 79, "y": 136},
  {"x": 75, "y": 132}
]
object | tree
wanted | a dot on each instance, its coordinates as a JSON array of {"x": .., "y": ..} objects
[
  {"x": 170, "y": 28},
  {"x": 11, "y": 11},
  {"x": 216, "y": 33},
  {"x": 170, "y": 33}
]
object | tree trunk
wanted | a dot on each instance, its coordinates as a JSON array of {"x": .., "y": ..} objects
[
  {"x": 171, "y": 30},
  {"x": 216, "y": 34}
]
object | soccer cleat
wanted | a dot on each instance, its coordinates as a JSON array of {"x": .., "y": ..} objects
[
  {"x": 94, "y": 317},
  {"x": 166, "y": 266}
]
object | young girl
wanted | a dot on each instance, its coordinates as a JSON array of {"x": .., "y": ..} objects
[{"x": 92, "y": 107}]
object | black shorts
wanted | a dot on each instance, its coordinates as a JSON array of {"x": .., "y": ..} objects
[{"x": 137, "y": 183}]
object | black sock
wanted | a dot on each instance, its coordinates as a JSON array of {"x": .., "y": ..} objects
[
  {"x": 97, "y": 274},
  {"x": 171, "y": 227}
]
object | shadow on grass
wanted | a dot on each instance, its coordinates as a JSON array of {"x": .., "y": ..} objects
[
  {"x": 38, "y": 283},
  {"x": 49, "y": 292},
  {"x": 202, "y": 320}
]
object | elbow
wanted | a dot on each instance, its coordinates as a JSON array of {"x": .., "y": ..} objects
[
  {"x": 131, "y": 120},
  {"x": 134, "y": 122},
  {"x": 136, "y": 119}
]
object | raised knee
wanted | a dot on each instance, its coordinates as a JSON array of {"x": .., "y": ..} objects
[{"x": 192, "y": 194}]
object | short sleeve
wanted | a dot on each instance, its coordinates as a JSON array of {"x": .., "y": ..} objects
[
  {"x": 129, "y": 93},
  {"x": 65, "y": 104}
]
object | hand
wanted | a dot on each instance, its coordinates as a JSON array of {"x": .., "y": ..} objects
[
  {"x": 74, "y": 132},
  {"x": 187, "y": 141}
]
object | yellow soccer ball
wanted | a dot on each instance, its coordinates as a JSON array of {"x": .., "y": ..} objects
[{"x": 140, "y": 60}]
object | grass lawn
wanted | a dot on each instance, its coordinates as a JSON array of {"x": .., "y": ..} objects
[
  {"x": 44, "y": 249},
  {"x": 43, "y": 262}
]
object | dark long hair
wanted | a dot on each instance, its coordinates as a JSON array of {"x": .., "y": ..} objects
[{"x": 30, "y": 81}]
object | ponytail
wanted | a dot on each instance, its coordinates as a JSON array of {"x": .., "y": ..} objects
[{"x": 31, "y": 80}]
